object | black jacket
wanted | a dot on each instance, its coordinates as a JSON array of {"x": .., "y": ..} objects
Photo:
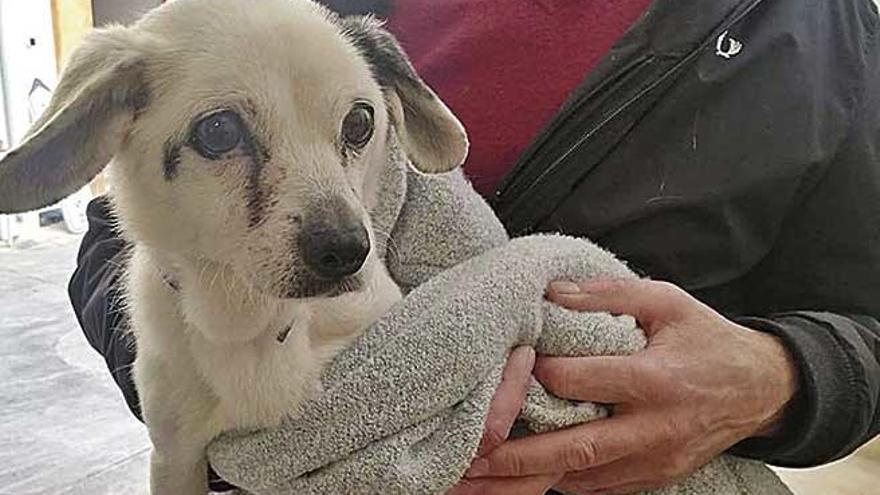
[
  {"x": 728, "y": 146},
  {"x": 732, "y": 147}
]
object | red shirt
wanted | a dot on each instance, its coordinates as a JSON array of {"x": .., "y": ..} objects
[{"x": 506, "y": 66}]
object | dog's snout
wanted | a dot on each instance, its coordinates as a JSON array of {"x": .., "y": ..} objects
[{"x": 334, "y": 254}]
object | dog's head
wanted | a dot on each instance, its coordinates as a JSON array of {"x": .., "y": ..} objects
[{"x": 248, "y": 133}]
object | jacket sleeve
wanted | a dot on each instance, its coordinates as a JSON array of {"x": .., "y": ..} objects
[
  {"x": 824, "y": 272},
  {"x": 95, "y": 296},
  {"x": 837, "y": 408}
]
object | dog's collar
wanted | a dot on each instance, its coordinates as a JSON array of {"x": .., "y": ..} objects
[{"x": 174, "y": 285}]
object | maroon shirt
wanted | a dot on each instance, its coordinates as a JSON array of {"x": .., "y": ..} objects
[{"x": 506, "y": 66}]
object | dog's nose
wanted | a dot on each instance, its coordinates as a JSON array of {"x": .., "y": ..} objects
[{"x": 334, "y": 254}]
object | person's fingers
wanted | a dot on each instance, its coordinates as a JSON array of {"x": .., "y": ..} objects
[
  {"x": 581, "y": 483},
  {"x": 611, "y": 379},
  {"x": 625, "y": 472},
  {"x": 530, "y": 485},
  {"x": 508, "y": 399},
  {"x": 628, "y": 489},
  {"x": 624, "y": 489},
  {"x": 650, "y": 302},
  {"x": 651, "y": 469},
  {"x": 572, "y": 449}
]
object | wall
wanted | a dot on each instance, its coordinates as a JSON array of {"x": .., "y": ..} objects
[
  {"x": 27, "y": 54},
  {"x": 27, "y": 64},
  {"x": 72, "y": 19}
]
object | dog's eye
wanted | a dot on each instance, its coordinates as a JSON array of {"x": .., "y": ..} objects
[
  {"x": 357, "y": 128},
  {"x": 217, "y": 133}
]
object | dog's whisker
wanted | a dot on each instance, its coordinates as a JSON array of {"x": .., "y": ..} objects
[{"x": 387, "y": 242}]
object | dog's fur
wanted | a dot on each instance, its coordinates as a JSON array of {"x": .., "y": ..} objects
[{"x": 216, "y": 276}]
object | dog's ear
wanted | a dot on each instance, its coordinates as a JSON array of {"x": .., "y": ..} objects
[
  {"x": 432, "y": 137},
  {"x": 97, "y": 98}
]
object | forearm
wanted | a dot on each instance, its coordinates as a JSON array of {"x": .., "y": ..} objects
[
  {"x": 838, "y": 405},
  {"x": 95, "y": 295}
]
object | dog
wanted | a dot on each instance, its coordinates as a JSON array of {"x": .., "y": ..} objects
[{"x": 245, "y": 142}]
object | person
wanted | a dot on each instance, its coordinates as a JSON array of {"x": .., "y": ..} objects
[{"x": 727, "y": 148}]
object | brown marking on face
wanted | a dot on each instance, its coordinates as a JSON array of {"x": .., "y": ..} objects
[
  {"x": 258, "y": 192},
  {"x": 171, "y": 161}
]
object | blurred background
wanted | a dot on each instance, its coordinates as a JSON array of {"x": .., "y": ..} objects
[{"x": 64, "y": 428}]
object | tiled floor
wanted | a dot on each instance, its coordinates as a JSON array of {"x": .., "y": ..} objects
[{"x": 64, "y": 428}]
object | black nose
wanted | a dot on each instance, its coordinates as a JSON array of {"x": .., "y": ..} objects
[{"x": 335, "y": 254}]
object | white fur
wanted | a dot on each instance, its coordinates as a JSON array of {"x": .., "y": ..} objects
[
  {"x": 193, "y": 387},
  {"x": 228, "y": 229},
  {"x": 208, "y": 358}
]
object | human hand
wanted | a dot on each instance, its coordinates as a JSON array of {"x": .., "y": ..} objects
[
  {"x": 503, "y": 411},
  {"x": 703, "y": 384}
]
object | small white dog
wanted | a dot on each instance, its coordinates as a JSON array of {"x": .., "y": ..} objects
[{"x": 246, "y": 139}]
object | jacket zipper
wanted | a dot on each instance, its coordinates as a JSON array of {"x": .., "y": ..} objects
[
  {"x": 624, "y": 74},
  {"x": 503, "y": 192}
]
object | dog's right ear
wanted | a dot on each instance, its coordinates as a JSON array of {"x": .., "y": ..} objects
[{"x": 91, "y": 111}]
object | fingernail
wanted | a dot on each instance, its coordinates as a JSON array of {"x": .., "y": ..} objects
[
  {"x": 525, "y": 352},
  {"x": 479, "y": 468},
  {"x": 565, "y": 288}
]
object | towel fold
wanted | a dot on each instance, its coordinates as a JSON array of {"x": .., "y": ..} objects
[{"x": 402, "y": 410}]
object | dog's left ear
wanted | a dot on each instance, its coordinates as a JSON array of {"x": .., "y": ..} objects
[{"x": 432, "y": 137}]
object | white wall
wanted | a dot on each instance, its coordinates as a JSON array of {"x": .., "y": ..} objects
[{"x": 27, "y": 53}]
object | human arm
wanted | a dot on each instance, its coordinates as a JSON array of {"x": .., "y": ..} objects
[{"x": 95, "y": 295}]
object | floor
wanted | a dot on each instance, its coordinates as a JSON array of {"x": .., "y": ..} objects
[
  {"x": 858, "y": 474},
  {"x": 64, "y": 429}
]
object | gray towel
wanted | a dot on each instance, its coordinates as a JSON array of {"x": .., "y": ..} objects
[{"x": 402, "y": 410}]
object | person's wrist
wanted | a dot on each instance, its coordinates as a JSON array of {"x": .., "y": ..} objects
[{"x": 782, "y": 375}]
